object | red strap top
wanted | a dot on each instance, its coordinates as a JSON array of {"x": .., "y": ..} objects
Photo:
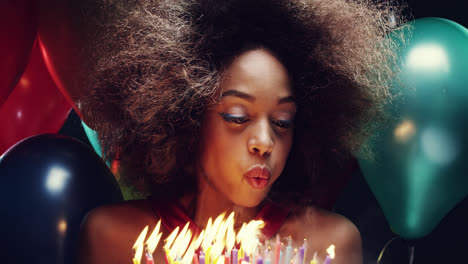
[{"x": 172, "y": 215}]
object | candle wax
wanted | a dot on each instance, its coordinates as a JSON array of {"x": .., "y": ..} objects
[{"x": 234, "y": 256}]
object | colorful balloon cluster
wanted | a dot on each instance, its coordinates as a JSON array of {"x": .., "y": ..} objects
[{"x": 49, "y": 182}]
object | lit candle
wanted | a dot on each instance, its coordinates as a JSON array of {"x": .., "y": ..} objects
[
  {"x": 227, "y": 258},
  {"x": 287, "y": 256},
  {"x": 201, "y": 259},
  {"x": 331, "y": 254},
  {"x": 295, "y": 258},
  {"x": 149, "y": 258},
  {"x": 302, "y": 253},
  {"x": 208, "y": 255},
  {"x": 219, "y": 260},
  {"x": 138, "y": 246},
  {"x": 281, "y": 257},
  {"x": 169, "y": 260},
  {"x": 234, "y": 256},
  {"x": 277, "y": 251},
  {"x": 259, "y": 260},
  {"x": 314, "y": 259},
  {"x": 195, "y": 259},
  {"x": 268, "y": 256},
  {"x": 166, "y": 256}
]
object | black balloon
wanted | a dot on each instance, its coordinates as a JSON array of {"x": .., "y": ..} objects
[{"x": 49, "y": 184}]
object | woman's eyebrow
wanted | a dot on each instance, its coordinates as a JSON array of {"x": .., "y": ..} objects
[
  {"x": 287, "y": 99},
  {"x": 248, "y": 97},
  {"x": 240, "y": 94}
]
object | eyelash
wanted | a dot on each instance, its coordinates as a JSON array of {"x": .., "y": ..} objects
[
  {"x": 234, "y": 119},
  {"x": 241, "y": 120}
]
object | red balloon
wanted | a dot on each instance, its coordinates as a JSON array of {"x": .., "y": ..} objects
[
  {"x": 18, "y": 31},
  {"x": 34, "y": 107},
  {"x": 61, "y": 37}
]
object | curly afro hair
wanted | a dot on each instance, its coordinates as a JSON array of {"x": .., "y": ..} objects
[{"x": 158, "y": 63}]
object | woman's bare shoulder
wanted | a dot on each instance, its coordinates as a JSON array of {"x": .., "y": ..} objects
[
  {"x": 125, "y": 215},
  {"x": 109, "y": 232},
  {"x": 323, "y": 228}
]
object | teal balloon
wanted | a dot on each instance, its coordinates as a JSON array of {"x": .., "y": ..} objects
[
  {"x": 419, "y": 172},
  {"x": 93, "y": 139}
]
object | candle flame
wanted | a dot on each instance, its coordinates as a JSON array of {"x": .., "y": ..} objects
[
  {"x": 221, "y": 234},
  {"x": 138, "y": 246},
  {"x": 331, "y": 251},
  {"x": 170, "y": 239},
  {"x": 199, "y": 240},
  {"x": 154, "y": 238},
  {"x": 218, "y": 236},
  {"x": 179, "y": 241},
  {"x": 191, "y": 250},
  {"x": 241, "y": 233},
  {"x": 249, "y": 236},
  {"x": 217, "y": 224},
  {"x": 230, "y": 234},
  {"x": 220, "y": 261},
  {"x": 206, "y": 239},
  {"x": 182, "y": 247}
]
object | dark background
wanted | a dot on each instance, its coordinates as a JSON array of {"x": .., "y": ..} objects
[{"x": 446, "y": 244}]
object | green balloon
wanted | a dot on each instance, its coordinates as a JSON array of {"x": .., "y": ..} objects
[
  {"x": 421, "y": 156},
  {"x": 93, "y": 139}
]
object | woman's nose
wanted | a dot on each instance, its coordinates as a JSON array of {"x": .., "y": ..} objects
[{"x": 261, "y": 139}]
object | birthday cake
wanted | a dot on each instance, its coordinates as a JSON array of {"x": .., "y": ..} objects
[{"x": 218, "y": 243}]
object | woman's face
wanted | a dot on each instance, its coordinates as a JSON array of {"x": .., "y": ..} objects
[{"x": 247, "y": 136}]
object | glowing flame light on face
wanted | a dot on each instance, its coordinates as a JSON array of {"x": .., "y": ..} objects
[
  {"x": 331, "y": 251},
  {"x": 138, "y": 246}
]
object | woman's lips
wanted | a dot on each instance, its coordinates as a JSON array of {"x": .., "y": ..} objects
[{"x": 258, "y": 177}]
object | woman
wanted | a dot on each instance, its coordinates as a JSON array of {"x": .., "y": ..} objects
[{"x": 234, "y": 106}]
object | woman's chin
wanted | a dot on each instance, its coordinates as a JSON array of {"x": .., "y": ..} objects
[{"x": 249, "y": 201}]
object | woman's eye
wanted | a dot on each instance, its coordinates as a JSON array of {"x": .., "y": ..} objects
[
  {"x": 283, "y": 123},
  {"x": 233, "y": 119}
]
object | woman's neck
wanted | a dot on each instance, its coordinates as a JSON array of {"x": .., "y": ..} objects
[{"x": 208, "y": 202}]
